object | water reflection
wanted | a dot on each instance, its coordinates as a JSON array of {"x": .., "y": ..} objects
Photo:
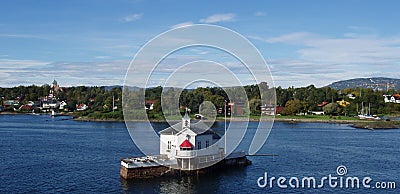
[{"x": 205, "y": 183}]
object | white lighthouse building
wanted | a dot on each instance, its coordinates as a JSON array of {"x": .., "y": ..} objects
[
  {"x": 184, "y": 147},
  {"x": 192, "y": 147}
]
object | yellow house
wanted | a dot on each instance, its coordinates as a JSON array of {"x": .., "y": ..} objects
[{"x": 343, "y": 103}]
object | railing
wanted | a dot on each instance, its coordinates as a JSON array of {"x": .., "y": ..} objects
[
  {"x": 186, "y": 153},
  {"x": 194, "y": 153},
  {"x": 210, "y": 158}
]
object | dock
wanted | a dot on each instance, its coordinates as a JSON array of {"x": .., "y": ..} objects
[{"x": 160, "y": 166}]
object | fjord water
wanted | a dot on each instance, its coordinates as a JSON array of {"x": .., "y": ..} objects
[{"x": 42, "y": 154}]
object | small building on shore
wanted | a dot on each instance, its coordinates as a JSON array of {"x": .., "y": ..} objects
[
  {"x": 268, "y": 109},
  {"x": 81, "y": 107},
  {"x": 392, "y": 98},
  {"x": 149, "y": 104},
  {"x": 343, "y": 103},
  {"x": 317, "y": 112}
]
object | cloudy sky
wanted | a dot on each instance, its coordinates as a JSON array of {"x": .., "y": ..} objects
[{"x": 92, "y": 42}]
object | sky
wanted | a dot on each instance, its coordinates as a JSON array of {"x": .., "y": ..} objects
[{"x": 92, "y": 42}]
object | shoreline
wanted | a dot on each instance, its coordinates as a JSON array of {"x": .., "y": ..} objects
[
  {"x": 285, "y": 120},
  {"x": 361, "y": 124},
  {"x": 333, "y": 121}
]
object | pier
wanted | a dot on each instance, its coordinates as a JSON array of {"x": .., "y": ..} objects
[{"x": 159, "y": 166}]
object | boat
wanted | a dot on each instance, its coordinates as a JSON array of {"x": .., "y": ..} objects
[
  {"x": 33, "y": 113},
  {"x": 53, "y": 113},
  {"x": 368, "y": 115},
  {"x": 361, "y": 115}
]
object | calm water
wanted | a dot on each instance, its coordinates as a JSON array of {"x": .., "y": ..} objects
[{"x": 43, "y": 154}]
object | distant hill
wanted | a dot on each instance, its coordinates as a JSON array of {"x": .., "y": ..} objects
[
  {"x": 108, "y": 88},
  {"x": 375, "y": 83},
  {"x": 131, "y": 88}
]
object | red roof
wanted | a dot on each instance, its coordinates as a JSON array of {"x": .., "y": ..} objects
[
  {"x": 279, "y": 109},
  {"x": 186, "y": 144},
  {"x": 323, "y": 104},
  {"x": 150, "y": 101}
]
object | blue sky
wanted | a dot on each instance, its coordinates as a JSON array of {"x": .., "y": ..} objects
[{"x": 92, "y": 42}]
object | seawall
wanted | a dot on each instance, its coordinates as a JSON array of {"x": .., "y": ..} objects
[{"x": 163, "y": 171}]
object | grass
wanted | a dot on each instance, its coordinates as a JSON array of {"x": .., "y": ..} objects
[
  {"x": 157, "y": 117},
  {"x": 317, "y": 117},
  {"x": 302, "y": 117}
]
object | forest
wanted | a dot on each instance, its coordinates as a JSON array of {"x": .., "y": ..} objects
[{"x": 292, "y": 101}]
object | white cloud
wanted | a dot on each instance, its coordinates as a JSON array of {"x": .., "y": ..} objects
[
  {"x": 21, "y": 36},
  {"x": 181, "y": 25},
  {"x": 27, "y": 72},
  {"x": 321, "y": 60},
  {"x": 260, "y": 13},
  {"x": 229, "y": 17},
  {"x": 291, "y": 38},
  {"x": 18, "y": 64},
  {"x": 102, "y": 57},
  {"x": 351, "y": 50},
  {"x": 133, "y": 17},
  {"x": 341, "y": 50},
  {"x": 316, "y": 59},
  {"x": 3, "y": 74}
]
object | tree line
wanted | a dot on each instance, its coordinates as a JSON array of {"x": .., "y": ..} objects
[
  {"x": 306, "y": 99},
  {"x": 293, "y": 100},
  {"x": 98, "y": 99}
]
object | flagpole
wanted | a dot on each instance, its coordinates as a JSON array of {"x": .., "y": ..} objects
[
  {"x": 225, "y": 126},
  {"x": 113, "y": 103}
]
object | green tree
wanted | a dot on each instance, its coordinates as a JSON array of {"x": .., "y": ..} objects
[
  {"x": 292, "y": 107},
  {"x": 254, "y": 105},
  {"x": 331, "y": 108}
]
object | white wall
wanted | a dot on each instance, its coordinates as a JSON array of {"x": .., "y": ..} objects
[{"x": 164, "y": 144}]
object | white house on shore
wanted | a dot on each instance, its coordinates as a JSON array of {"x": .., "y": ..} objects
[
  {"x": 392, "y": 99},
  {"x": 192, "y": 146}
]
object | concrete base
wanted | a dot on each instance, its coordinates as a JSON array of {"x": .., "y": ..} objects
[{"x": 163, "y": 171}]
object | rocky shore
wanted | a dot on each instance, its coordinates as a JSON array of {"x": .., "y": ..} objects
[{"x": 377, "y": 125}]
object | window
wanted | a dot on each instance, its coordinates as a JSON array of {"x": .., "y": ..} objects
[
  {"x": 169, "y": 145},
  {"x": 199, "y": 145},
  {"x": 207, "y": 143}
]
